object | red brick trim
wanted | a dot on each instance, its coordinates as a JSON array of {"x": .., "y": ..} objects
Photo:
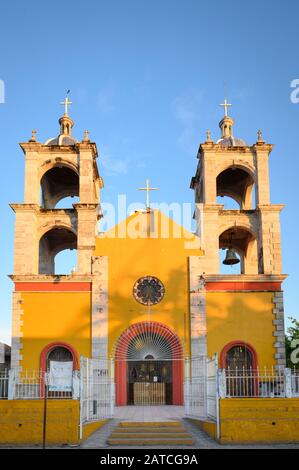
[
  {"x": 52, "y": 286},
  {"x": 243, "y": 286}
]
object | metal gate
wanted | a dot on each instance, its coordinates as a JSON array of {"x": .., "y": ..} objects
[
  {"x": 201, "y": 388},
  {"x": 195, "y": 390},
  {"x": 97, "y": 394}
]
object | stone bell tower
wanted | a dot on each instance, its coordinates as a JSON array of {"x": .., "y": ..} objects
[
  {"x": 61, "y": 167},
  {"x": 230, "y": 167}
]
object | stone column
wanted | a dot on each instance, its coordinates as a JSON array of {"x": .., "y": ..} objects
[{"x": 99, "y": 307}]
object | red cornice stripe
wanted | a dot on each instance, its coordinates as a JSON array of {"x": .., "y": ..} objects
[
  {"x": 52, "y": 286},
  {"x": 244, "y": 286}
]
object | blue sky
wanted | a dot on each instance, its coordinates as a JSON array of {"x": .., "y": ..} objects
[{"x": 146, "y": 78}]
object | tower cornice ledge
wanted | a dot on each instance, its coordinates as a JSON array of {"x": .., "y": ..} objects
[
  {"x": 24, "y": 207},
  {"x": 262, "y": 146},
  {"x": 42, "y": 148},
  {"x": 217, "y": 148},
  {"x": 271, "y": 207},
  {"x": 244, "y": 277},
  {"x": 31, "y": 146},
  {"x": 88, "y": 206},
  {"x": 51, "y": 278},
  {"x": 88, "y": 146}
]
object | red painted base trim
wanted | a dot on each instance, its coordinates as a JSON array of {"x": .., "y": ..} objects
[
  {"x": 52, "y": 286},
  {"x": 244, "y": 286}
]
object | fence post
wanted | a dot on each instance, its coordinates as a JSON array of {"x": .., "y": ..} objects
[
  {"x": 11, "y": 384},
  {"x": 187, "y": 387},
  {"x": 288, "y": 382},
  {"x": 112, "y": 394},
  {"x": 76, "y": 385},
  {"x": 221, "y": 383},
  {"x": 81, "y": 396}
]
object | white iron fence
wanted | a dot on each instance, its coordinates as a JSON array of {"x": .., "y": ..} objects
[
  {"x": 264, "y": 383},
  {"x": 32, "y": 384},
  {"x": 97, "y": 394},
  {"x": 212, "y": 388}
]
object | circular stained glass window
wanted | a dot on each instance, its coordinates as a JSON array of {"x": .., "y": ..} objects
[{"x": 148, "y": 290}]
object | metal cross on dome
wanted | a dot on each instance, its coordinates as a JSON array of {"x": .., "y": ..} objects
[
  {"x": 225, "y": 105},
  {"x": 147, "y": 189},
  {"x": 66, "y": 103}
]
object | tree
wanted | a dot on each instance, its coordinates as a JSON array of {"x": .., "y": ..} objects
[{"x": 292, "y": 334}]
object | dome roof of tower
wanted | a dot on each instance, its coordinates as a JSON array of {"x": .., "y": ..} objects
[
  {"x": 231, "y": 142},
  {"x": 62, "y": 140}
]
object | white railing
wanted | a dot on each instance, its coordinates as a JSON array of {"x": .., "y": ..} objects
[
  {"x": 4, "y": 376},
  {"x": 33, "y": 385},
  {"x": 264, "y": 383},
  {"x": 97, "y": 394},
  {"x": 195, "y": 387},
  {"x": 212, "y": 387}
]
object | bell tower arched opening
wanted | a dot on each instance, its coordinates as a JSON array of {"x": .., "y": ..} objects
[
  {"x": 238, "y": 184},
  {"x": 51, "y": 243},
  {"x": 241, "y": 251},
  {"x": 58, "y": 183}
]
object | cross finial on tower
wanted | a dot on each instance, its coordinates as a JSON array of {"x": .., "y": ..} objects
[
  {"x": 147, "y": 189},
  {"x": 225, "y": 105},
  {"x": 66, "y": 103}
]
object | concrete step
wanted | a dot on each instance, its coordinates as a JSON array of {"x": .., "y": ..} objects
[
  {"x": 151, "y": 424},
  {"x": 151, "y": 442},
  {"x": 153, "y": 433},
  {"x": 149, "y": 435},
  {"x": 156, "y": 430}
]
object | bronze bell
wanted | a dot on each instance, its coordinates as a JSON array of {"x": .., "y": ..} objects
[{"x": 231, "y": 257}]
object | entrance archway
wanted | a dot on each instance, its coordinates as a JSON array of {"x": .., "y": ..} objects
[{"x": 149, "y": 358}]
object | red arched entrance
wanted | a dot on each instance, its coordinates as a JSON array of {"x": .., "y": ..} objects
[{"x": 149, "y": 339}]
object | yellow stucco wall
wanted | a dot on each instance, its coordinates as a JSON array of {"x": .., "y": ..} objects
[
  {"x": 21, "y": 422},
  {"x": 259, "y": 420},
  {"x": 90, "y": 428},
  {"x": 245, "y": 316},
  {"x": 129, "y": 259},
  {"x": 54, "y": 316}
]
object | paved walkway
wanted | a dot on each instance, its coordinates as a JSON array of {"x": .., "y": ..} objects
[
  {"x": 98, "y": 440},
  {"x": 149, "y": 413}
]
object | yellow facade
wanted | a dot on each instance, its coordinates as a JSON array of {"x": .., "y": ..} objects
[
  {"x": 54, "y": 317},
  {"x": 66, "y": 316},
  {"x": 151, "y": 254},
  {"x": 241, "y": 316}
]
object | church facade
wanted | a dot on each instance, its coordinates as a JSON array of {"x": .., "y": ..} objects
[{"x": 141, "y": 296}]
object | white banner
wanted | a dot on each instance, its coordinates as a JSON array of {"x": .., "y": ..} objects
[{"x": 60, "y": 376}]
